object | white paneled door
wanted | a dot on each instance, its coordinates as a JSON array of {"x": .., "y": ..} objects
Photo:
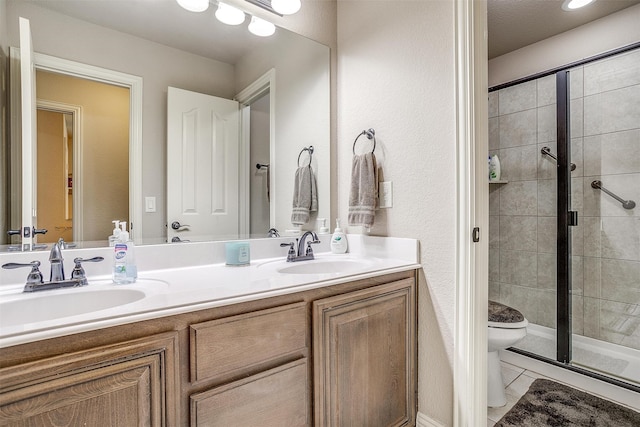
[{"x": 202, "y": 166}]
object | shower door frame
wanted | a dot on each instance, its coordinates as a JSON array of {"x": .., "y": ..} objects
[
  {"x": 564, "y": 222},
  {"x": 566, "y": 218}
]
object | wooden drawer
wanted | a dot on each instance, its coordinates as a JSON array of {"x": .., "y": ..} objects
[
  {"x": 248, "y": 340},
  {"x": 277, "y": 397}
]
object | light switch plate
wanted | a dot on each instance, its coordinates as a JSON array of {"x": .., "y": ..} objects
[
  {"x": 149, "y": 204},
  {"x": 385, "y": 194}
]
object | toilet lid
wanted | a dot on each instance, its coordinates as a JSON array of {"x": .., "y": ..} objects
[{"x": 503, "y": 316}]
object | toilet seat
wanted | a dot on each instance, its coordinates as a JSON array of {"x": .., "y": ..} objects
[{"x": 508, "y": 325}]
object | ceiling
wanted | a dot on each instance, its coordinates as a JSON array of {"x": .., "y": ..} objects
[
  {"x": 165, "y": 22},
  {"x": 513, "y": 24}
]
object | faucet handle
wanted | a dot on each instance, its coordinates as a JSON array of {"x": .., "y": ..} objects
[
  {"x": 79, "y": 273},
  {"x": 292, "y": 252},
  {"x": 34, "y": 277},
  {"x": 309, "y": 250}
]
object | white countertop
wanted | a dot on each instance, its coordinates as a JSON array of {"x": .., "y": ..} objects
[{"x": 175, "y": 290}]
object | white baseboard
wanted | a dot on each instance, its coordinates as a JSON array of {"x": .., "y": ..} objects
[{"x": 424, "y": 421}]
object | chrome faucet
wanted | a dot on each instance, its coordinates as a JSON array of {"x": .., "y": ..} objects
[
  {"x": 55, "y": 259},
  {"x": 35, "y": 280},
  {"x": 296, "y": 254}
]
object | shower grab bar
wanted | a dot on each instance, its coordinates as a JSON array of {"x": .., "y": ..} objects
[
  {"x": 627, "y": 204},
  {"x": 547, "y": 152}
]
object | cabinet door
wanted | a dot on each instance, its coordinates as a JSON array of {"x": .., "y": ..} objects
[
  {"x": 274, "y": 398},
  {"x": 365, "y": 357},
  {"x": 129, "y": 384}
]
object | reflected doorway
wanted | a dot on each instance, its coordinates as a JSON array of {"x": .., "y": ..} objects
[
  {"x": 259, "y": 155},
  {"x": 55, "y": 174},
  {"x": 79, "y": 193}
]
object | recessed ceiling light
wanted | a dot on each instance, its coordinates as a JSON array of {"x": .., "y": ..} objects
[{"x": 570, "y": 5}]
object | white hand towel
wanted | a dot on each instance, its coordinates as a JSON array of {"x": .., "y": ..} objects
[
  {"x": 363, "y": 197},
  {"x": 305, "y": 195}
]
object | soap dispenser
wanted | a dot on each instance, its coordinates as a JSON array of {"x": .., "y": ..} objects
[
  {"x": 113, "y": 238},
  {"x": 338, "y": 240},
  {"x": 125, "y": 270}
]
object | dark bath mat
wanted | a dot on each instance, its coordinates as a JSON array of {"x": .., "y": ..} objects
[{"x": 548, "y": 403}]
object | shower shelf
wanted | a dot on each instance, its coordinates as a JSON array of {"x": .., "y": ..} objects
[{"x": 499, "y": 182}]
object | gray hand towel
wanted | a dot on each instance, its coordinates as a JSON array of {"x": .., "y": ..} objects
[
  {"x": 363, "y": 197},
  {"x": 305, "y": 195}
]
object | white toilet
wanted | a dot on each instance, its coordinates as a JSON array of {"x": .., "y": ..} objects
[{"x": 507, "y": 326}]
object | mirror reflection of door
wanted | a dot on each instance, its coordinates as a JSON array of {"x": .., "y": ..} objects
[
  {"x": 259, "y": 153},
  {"x": 202, "y": 167},
  {"x": 89, "y": 192}
]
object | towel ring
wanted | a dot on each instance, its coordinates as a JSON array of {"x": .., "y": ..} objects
[
  {"x": 310, "y": 150},
  {"x": 371, "y": 134}
]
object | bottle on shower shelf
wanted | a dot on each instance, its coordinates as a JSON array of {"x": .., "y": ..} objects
[{"x": 494, "y": 168}]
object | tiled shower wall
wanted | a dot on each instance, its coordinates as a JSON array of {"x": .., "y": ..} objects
[{"x": 605, "y": 145}]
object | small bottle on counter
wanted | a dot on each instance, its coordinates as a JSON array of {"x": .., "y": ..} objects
[
  {"x": 113, "y": 238},
  {"x": 125, "y": 270},
  {"x": 338, "y": 240}
]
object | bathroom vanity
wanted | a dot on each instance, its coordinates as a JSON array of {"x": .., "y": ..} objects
[{"x": 296, "y": 349}]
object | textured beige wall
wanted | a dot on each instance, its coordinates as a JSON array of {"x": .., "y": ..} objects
[
  {"x": 396, "y": 74},
  {"x": 611, "y": 32}
]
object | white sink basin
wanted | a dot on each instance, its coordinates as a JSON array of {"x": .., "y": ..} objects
[
  {"x": 329, "y": 266},
  {"x": 51, "y": 305}
]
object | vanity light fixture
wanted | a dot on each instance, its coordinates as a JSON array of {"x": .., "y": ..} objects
[
  {"x": 261, "y": 28},
  {"x": 229, "y": 15},
  {"x": 194, "y": 5},
  {"x": 570, "y": 5},
  {"x": 286, "y": 7}
]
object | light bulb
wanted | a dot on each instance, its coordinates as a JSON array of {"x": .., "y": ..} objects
[
  {"x": 569, "y": 5},
  {"x": 286, "y": 7},
  {"x": 261, "y": 28},
  {"x": 229, "y": 14},
  {"x": 194, "y": 5}
]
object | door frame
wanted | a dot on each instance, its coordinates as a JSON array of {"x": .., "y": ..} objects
[
  {"x": 89, "y": 72},
  {"x": 472, "y": 258},
  {"x": 262, "y": 85},
  {"x": 78, "y": 140}
]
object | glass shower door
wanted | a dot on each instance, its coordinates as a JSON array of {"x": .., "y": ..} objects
[
  {"x": 605, "y": 129},
  {"x": 523, "y": 208},
  {"x": 564, "y": 220}
]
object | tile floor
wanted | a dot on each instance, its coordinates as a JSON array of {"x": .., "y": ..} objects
[{"x": 517, "y": 381}]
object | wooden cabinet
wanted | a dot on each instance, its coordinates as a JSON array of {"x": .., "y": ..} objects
[
  {"x": 365, "y": 357},
  {"x": 128, "y": 384},
  {"x": 266, "y": 349},
  {"x": 237, "y": 365},
  {"x": 275, "y": 398}
]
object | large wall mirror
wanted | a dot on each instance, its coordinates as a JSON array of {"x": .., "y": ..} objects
[{"x": 279, "y": 83}]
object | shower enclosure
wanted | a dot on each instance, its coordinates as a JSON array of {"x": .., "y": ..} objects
[{"x": 564, "y": 220}]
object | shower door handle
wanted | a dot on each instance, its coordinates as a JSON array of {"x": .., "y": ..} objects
[{"x": 572, "y": 218}]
